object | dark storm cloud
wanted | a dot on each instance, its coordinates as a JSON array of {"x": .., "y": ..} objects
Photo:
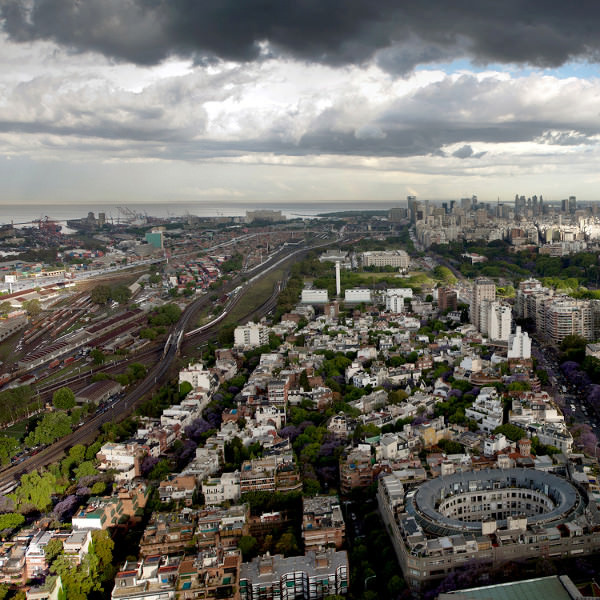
[
  {"x": 167, "y": 143},
  {"x": 400, "y": 34}
]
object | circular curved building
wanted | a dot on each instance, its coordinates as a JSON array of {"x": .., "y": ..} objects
[{"x": 479, "y": 502}]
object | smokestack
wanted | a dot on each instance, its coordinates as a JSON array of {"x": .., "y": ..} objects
[{"x": 338, "y": 286}]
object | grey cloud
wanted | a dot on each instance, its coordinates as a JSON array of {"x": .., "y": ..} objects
[
  {"x": 168, "y": 120},
  {"x": 401, "y": 34},
  {"x": 564, "y": 138},
  {"x": 466, "y": 151}
]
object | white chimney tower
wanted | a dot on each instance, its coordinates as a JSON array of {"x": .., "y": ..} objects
[{"x": 338, "y": 286}]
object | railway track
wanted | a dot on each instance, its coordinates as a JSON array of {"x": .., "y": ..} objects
[{"x": 156, "y": 375}]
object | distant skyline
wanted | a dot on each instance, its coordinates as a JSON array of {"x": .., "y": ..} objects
[{"x": 136, "y": 101}]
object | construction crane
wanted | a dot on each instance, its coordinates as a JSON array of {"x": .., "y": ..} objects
[{"x": 127, "y": 213}]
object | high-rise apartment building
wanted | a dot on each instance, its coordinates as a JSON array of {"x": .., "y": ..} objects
[
  {"x": 447, "y": 299},
  {"x": 483, "y": 289},
  {"x": 519, "y": 345},
  {"x": 499, "y": 319}
]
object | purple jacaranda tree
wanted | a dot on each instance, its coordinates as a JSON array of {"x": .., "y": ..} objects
[
  {"x": 213, "y": 416},
  {"x": 83, "y": 491},
  {"x": 593, "y": 396},
  {"x": 6, "y": 504},
  {"x": 585, "y": 438},
  {"x": 420, "y": 419},
  {"x": 328, "y": 476},
  {"x": 148, "y": 463},
  {"x": 329, "y": 446},
  {"x": 66, "y": 508},
  {"x": 291, "y": 432},
  {"x": 187, "y": 452},
  {"x": 196, "y": 429}
]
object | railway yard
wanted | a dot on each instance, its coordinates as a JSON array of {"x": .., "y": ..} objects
[{"x": 74, "y": 341}]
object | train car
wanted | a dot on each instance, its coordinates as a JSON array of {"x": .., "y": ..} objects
[
  {"x": 54, "y": 364},
  {"x": 69, "y": 360}
]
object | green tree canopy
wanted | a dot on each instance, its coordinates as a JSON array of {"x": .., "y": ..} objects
[
  {"x": 33, "y": 307},
  {"x": 121, "y": 294},
  {"x": 512, "y": 432},
  {"x": 79, "y": 581},
  {"x": 103, "y": 547},
  {"x": 100, "y": 294},
  {"x": 63, "y": 399},
  {"x": 11, "y": 520},
  {"x": 248, "y": 545},
  {"x": 287, "y": 544},
  {"x": 97, "y": 356},
  {"x": 8, "y": 448},
  {"x": 35, "y": 489},
  {"x": 52, "y": 427},
  {"x": 53, "y": 549}
]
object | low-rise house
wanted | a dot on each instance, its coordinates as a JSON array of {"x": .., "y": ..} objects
[
  {"x": 77, "y": 545},
  {"x": 212, "y": 574},
  {"x": 221, "y": 489},
  {"x": 339, "y": 425},
  {"x": 167, "y": 533},
  {"x": 12, "y": 564},
  {"x": 322, "y": 523},
  {"x": 270, "y": 415},
  {"x": 206, "y": 463},
  {"x": 99, "y": 513},
  {"x": 124, "y": 459},
  {"x": 495, "y": 443},
  {"x": 356, "y": 469},
  {"x": 487, "y": 410},
  {"x": 222, "y": 527},
  {"x": 178, "y": 489},
  {"x": 272, "y": 473},
  {"x": 152, "y": 578},
  {"x": 133, "y": 496},
  {"x": 392, "y": 446},
  {"x": 198, "y": 377},
  {"x": 51, "y": 589}
]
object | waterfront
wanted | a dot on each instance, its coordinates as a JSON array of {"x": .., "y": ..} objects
[{"x": 25, "y": 213}]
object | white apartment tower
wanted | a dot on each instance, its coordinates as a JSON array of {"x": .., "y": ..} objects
[
  {"x": 519, "y": 345},
  {"x": 499, "y": 319},
  {"x": 250, "y": 335}
]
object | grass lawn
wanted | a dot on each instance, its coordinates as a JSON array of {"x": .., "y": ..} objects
[
  {"x": 414, "y": 279},
  {"x": 261, "y": 291},
  {"x": 19, "y": 430}
]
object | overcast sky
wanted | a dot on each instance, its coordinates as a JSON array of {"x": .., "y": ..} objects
[{"x": 281, "y": 101}]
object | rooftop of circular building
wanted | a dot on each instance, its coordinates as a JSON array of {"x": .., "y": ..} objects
[{"x": 465, "y": 502}]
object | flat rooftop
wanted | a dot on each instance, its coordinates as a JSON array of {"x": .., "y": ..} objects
[{"x": 544, "y": 588}]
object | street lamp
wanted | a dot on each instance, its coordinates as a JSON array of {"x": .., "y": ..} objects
[{"x": 367, "y": 579}]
